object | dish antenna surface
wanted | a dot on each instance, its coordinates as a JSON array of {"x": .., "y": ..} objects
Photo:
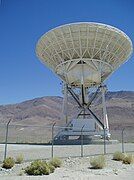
[{"x": 84, "y": 55}]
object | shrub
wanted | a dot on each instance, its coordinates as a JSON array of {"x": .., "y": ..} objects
[
  {"x": 56, "y": 162},
  {"x": 8, "y": 163},
  {"x": 128, "y": 159},
  {"x": 38, "y": 167},
  {"x": 118, "y": 156},
  {"x": 98, "y": 162},
  {"x": 51, "y": 167},
  {"x": 19, "y": 159}
]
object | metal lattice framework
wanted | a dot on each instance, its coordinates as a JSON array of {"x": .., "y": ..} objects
[{"x": 84, "y": 53}]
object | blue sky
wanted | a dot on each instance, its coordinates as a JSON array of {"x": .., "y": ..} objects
[{"x": 22, "y": 22}]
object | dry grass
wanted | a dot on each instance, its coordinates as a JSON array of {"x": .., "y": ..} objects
[
  {"x": 128, "y": 159},
  {"x": 8, "y": 163},
  {"x": 38, "y": 167},
  {"x": 19, "y": 159},
  {"x": 118, "y": 156},
  {"x": 56, "y": 162},
  {"x": 98, "y": 162}
]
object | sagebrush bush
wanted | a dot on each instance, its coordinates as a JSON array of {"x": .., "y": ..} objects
[
  {"x": 51, "y": 167},
  {"x": 118, "y": 156},
  {"x": 8, "y": 163},
  {"x": 56, "y": 162},
  {"x": 98, "y": 162},
  {"x": 128, "y": 159},
  {"x": 38, "y": 167},
  {"x": 19, "y": 159}
]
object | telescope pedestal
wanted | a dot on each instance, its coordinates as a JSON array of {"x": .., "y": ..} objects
[{"x": 87, "y": 122}]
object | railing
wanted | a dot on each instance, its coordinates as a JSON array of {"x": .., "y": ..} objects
[{"x": 38, "y": 142}]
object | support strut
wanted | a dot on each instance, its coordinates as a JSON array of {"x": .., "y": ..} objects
[
  {"x": 82, "y": 95},
  {"x": 74, "y": 96},
  {"x": 94, "y": 96},
  {"x": 105, "y": 117},
  {"x": 83, "y": 107},
  {"x": 95, "y": 117}
]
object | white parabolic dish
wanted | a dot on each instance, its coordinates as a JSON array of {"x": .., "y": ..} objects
[{"x": 84, "y": 53}]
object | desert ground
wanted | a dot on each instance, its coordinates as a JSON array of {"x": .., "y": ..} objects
[
  {"x": 76, "y": 168},
  {"x": 73, "y": 167}
]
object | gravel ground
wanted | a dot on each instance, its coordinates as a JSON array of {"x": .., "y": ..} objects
[{"x": 74, "y": 169}]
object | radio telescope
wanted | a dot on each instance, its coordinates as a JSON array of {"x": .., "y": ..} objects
[{"x": 84, "y": 55}]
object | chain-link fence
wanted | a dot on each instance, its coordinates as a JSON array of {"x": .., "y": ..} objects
[{"x": 39, "y": 142}]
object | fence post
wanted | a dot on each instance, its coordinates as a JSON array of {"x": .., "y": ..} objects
[
  {"x": 82, "y": 141},
  {"x": 6, "y": 139},
  {"x": 52, "y": 153},
  {"x": 122, "y": 133},
  {"x": 104, "y": 141}
]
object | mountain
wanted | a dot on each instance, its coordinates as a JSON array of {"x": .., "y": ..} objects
[
  {"x": 46, "y": 110},
  {"x": 43, "y": 112},
  {"x": 120, "y": 108}
]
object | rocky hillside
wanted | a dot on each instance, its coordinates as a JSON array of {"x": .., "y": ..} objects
[{"x": 46, "y": 110}]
